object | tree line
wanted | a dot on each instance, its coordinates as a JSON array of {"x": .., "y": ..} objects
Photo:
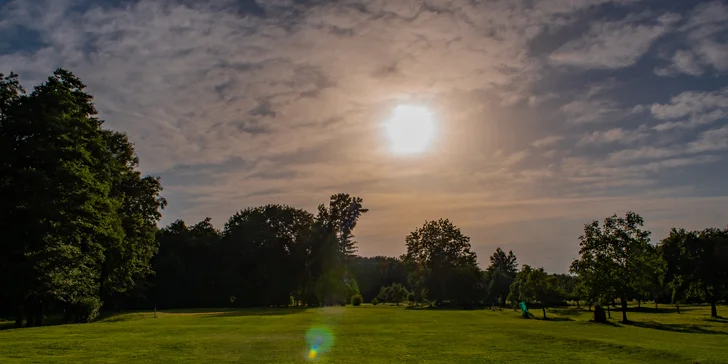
[{"x": 81, "y": 233}]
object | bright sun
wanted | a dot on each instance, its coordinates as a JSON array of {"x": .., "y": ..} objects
[{"x": 410, "y": 129}]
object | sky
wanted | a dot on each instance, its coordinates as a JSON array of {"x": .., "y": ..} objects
[{"x": 549, "y": 114}]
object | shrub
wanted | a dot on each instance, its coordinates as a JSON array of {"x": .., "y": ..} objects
[
  {"x": 85, "y": 309},
  {"x": 375, "y": 301},
  {"x": 356, "y": 300}
]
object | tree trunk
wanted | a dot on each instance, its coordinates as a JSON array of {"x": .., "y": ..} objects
[
  {"x": 713, "y": 307},
  {"x": 624, "y": 310},
  {"x": 40, "y": 312},
  {"x": 678, "y": 308},
  {"x": 656, "y": 305},
  {"x": 590, "y": 306},
  {"x": 639, "y": 303},
  {"x": 19, "y": 316},
  {"x": 609, "y": 312},
  {"x": 29, "y": 313},
  {"x": 577, "y": 305},
  {"x": 544, "y": 311}
]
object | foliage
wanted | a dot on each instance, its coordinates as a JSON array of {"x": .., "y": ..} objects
[
  {"x": 435, "y": 251},
  {"x": 535, "y": 286},
  {"x": 84, "y": 309},
  {"x": 504, "y": 263},
  {"x": 356, "y": 300},
  {"x": 78, "y": 218},
  {"x": 372, "y": 273},
  {"x": 611, "y": 258},
  {"x": 375, "y": 301},
  {"x": 696, "y": 264}
]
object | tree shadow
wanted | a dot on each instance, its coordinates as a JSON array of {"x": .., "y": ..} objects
[
  {"x": 240, "y": 312},
  {"x": 719, "y": 319},
  {"x": 444, "y": 308},
  {"x": 557, "y": 319},
  {"x": 53, "y": 320},
  {"x": 689, "y": 329},
  {"x": 608, "y": 323},
  {"x": 568, "y": 311},
  {"x": 670, "y": 309}
]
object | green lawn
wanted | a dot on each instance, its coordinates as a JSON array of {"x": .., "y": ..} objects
[{"x": 374, "y": 334}]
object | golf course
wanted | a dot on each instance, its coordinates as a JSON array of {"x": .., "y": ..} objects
[{"x": 374, "y": 334}]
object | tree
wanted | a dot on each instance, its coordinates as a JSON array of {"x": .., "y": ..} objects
[
  {"x": 435, "y": 250},
  {"x": 611, "y": 255},
  {"x": 341, "y": 216},
  {"x": 267, "y": 245},
  {"x": 372, "y": 273},
  {"x": 535, "y": 286},
  {"x": 396, "y": 293},
  {"x": 504, "y": 263},
  {"x": 696, "y": 264},
  {"x": 74, "y": 209}
]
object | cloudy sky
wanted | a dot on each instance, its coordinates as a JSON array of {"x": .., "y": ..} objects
[{"x": 550, "y": 113}]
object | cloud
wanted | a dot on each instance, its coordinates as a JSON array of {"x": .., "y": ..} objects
[
  {"x": 245, "y": 103},
  {"x": 712, "y": 140},
  {"x": 588, "y": 111},
  {"x": 704, "y": 35},
  {"x": 548, "y": 141},
  {"x": 691, "y": 109},
  {"x": 682, "y": 62},
  {"x": 613, "y": 44},
  {"x": 615, "y": 135}
]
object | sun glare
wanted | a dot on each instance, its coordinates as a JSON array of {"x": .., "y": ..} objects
[{"x": 410, "y": 129}]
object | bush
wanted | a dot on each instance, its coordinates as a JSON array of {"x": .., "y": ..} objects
[
  {"x": 85, "y": 309},
  {"x": 356, "y": 300},
  {"x": 375, "y": 301}
]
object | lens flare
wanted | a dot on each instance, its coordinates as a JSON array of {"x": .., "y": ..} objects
[{"x": 319, "y": 340}]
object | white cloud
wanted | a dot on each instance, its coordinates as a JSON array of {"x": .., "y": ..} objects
[
  {"x": 611, "y": 45},
  {"x": 548, "y": 141},
  {"x": 682, "y": 62},
  {"x": 709, "y": 141},
  {"x": 615, "y": 135},
  {"x": 286, "y": 107},
  {"x": 692, "y": 108},
  {"x": 704, "y": 33}
]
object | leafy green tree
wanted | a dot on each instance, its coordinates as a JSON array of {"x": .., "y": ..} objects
[
  {"x": 435, "y": 250},
  {"x": 696, "y": 264},
  {"x": 74, "y": 208},
  {"x": 535, "y": 286},
  {"x": 397, "y": 293},
  {"x": 611, "y": 255}
]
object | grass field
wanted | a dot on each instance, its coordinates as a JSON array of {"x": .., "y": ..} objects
[{"x": 374, "y": 334}]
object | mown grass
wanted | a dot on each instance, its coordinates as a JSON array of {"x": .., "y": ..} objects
[{"x": 375, "y": 334}]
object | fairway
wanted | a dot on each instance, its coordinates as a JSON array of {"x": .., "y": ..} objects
[{"x": 374, "y": 334}]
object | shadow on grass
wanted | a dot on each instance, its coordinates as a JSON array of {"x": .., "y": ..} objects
[
  {"x": 556, "y": 319},
  {"x": 608, "y": 323},
  {"x": 445, "y": 308},
  {"x": 48, "y": 321},
  {"x": 658, "y": 310},
  {"x": 239, "y": 312},
  {"x": 568, "y": 311},
  {"x": 689, "y": 329},
  {"x": 719, "y": 319}
]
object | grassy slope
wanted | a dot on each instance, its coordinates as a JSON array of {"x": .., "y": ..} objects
[{"x": 371, "y": 334}]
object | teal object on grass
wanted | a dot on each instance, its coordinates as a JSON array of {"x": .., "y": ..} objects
[{"x": 524, "y": 309}]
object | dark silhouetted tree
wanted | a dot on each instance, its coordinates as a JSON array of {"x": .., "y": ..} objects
[{"x": 436, "y": 250}]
